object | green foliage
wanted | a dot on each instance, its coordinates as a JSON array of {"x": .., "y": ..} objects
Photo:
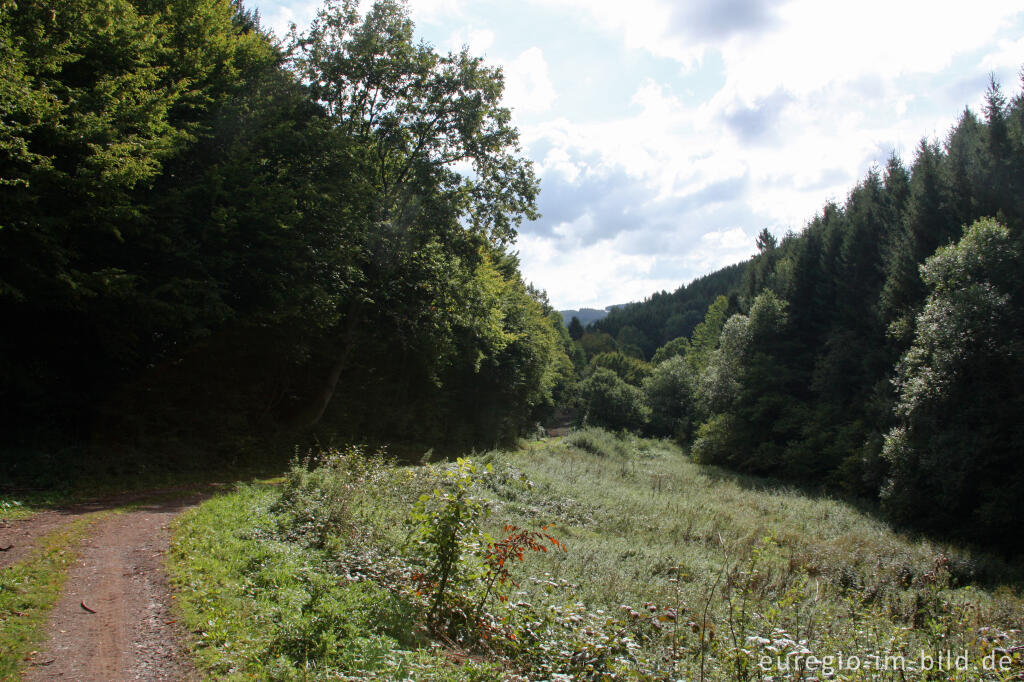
[
  {"x": 104, "y": 99},
  {"x": 575, "y": 328},
  {"x": 718, "y": 385},
  {"x": 419, "y": 112},
  {"x": 293, "y": 582},
  {"x": 958, "y": 392},
  {"x": 669, "y": 394},
  {"x": 766, "y": 241},
  {"x": 596, "y": 343},
  {"x": 608, "y": 401},
  {"x": 744, "y": 389},
  {"x": 191, "y": 210},
  {"x": 705, "y": 336},
  {"x": 320, "y": 502},
  {"x": 446, "y": 526},
  {"x": 632, "y": 341},
  {"x": 675, "y": 348},
  {"x": 665, "y": 316},
  {"x": 628, "y": 368},
  {"x": 927, "y": 224},
  {"x": 716, "y": 441},
  {"x": 566, "y": 365},
  {"x": 263, "y": 601},
  {"x": 793, "y": 364},
  {"x": 123, "y": 105}
]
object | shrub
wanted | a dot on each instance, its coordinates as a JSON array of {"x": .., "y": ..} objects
[
  {"x": 597, "y": 441},
  {"x": 955, "y": 455},
  {"x": 716, "y": 440},
  {"x": 609, "y": 401},
  {"x": 320, "y": 493},
  {"x": 447, "y": 529}
]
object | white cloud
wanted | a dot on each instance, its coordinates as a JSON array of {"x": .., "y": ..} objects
[
  {"x": 477, "y": 40},
  {"x": 770, "y": 108},
  {"x": 818, "y": 44},
  {"x": 594, "y": 276},
  {"x": 735, "y": 238},
  {"x": 719, "y": 249},
  {"x": 279, "y": 16},
  {"x": 641, "y": 24},
  {"x": 432, "y": 10},
  {"x": 1009, "y": 54},
  {"x": 605, "y": 272},
  {"x": 808, "y": 44},
  {"x": 646, "y": 145},
  {"x": 558, "y": 161},
  {"x": 528, "y": 87}
]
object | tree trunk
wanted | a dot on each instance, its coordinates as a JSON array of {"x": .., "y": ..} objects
[
  {"x": 311, "y": 413},
  {"x": 314, "y": 409}
]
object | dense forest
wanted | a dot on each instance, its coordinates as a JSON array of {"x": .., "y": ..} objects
[
  {"x": 209, "y": 236},
  {"x": 878, "y": 352}
]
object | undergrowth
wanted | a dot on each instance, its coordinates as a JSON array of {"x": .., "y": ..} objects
[
  {"x": 597, "y": 441},
  {"x": 597, "y": 557},
  {"x": 295, "y": 582}
]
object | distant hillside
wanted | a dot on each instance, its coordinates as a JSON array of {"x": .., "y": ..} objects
[
  {"x": 586, "y": 315},
  {"x": 665, "y": 316}
]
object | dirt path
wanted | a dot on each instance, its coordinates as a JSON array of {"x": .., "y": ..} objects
[
  {"x": 19, "y": 537},
  {"x": 119, "y": 575}
]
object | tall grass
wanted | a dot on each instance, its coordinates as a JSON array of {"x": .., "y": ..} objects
[
  {"x": 673, "y": 570},
  {"x": 657, "y": 529}
]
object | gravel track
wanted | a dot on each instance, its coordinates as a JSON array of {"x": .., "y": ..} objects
[{"x": 119, "y": 575}]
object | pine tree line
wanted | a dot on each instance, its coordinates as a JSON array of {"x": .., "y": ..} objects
[{"x": 877, "y": 352}]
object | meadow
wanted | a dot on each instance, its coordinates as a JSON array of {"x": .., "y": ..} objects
[{"x": 595, "y": 556}]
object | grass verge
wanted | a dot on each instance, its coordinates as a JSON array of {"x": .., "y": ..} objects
[
  {"x": 30, "y": 588},
  {"x": 266, "y": 606}
]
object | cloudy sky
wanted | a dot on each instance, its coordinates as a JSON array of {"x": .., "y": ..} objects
[{"x": 668, "y": 133}]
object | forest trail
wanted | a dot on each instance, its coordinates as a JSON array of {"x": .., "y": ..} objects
[
  {"x": 114, "y": 619},
  {"x": 18, "y": 538}
]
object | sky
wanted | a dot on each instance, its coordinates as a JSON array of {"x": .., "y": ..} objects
[{"x": 668, "y": 133}]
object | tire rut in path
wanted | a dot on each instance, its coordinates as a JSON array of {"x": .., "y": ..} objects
[{"x": 119, "y": 575}]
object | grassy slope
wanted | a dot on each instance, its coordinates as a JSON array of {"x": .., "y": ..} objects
[
  {"x": 682, "y": 570},
  {"x": 629, "y": 519}
]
